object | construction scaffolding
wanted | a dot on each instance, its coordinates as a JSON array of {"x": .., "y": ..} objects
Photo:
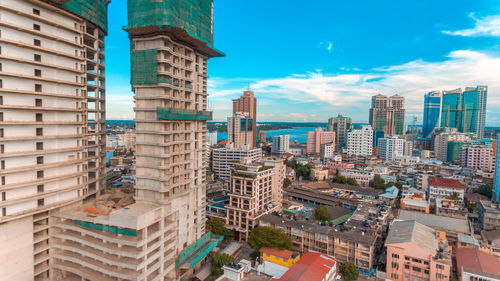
[
  {"x": 144, "y": 66},
  {"x": 199, "y": 250},
  {"x": 111, "y": 229},
  {"x": 167, "y": 113},
  {"x": 95, "y": 11}
]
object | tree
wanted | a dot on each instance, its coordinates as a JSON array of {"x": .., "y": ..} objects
[
  {"x": 228, "y": 234},
  {"x": 454, "y": 196},
  {"x": 343, "y": 180},
  {"x": 349, "y": 271},
  {"x": 216, "y": 225},
  {"x": 377, "y": 182},
  {"x": 263, "y": 236},
  {"x": 218, "y": 261},
  {"x": 321, "y": 214},
  {"x": 485, "y": 189},
  {"x": 286, "y": 183}
]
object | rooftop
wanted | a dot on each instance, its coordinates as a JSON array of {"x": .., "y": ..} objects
[
  {"x": 439, "y": 222},
  {"x": 286, "y": 254},
  {"x": 311, "y": 267},
  {"x": 492, "y": 237},
  {"x": 413, "y": 232},
  {"x": 443, "y": 182},
  {"x": 479, "y": 262}
]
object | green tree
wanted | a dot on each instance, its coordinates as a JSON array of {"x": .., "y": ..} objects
[
  {"x": 218, "y": 261},
  {"x": 263, "y": 236},
  {"x": 321, "y": 214},
  {"x": 485, "y": 189},
  {"x": 303, "y": 171},
  {"x": 228, "y": 234},
  {"x": 344, "y": 180},
  {"x": 377, "y": 182},
  {"x": 349, "y": 271},
  {"x": 454, "y": 196},
  {"x": 216, "y": 225},
  {"x": 286, "y": 183}
]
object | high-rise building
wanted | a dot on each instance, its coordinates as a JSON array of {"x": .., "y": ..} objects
[
  {"x": 387, "y": 114},
  {"x": 448, "y": 145},
  {"x": 212, "y": 138},
  {"x": 496, "y": 184},
  {"x": 465, "y": 110},
  {"x": 389, "y": 148},
  {"x": 225, "y": 158},
  {"x": 281, "y": 144},
  {"x": 52, "y": 123},
  {"x": 129, "y": 139},
  {"x": 432, "y": 113},
  {"x": 478, "y": 157},
  {"x": 262, "y": 137},
  {"x": 247, "y": 105},
  {"x": 340, "y": 125},
  {"x": 326, "y": 151},
  {"x": 360, "y": 141},
  {"x": 240, "y": 131},
  {"x": 316, "y": 138}
]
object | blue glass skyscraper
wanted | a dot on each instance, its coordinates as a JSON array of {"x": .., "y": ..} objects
[
  {"x": 432, "y": 112},
  {"x": 496, "y": 184}
]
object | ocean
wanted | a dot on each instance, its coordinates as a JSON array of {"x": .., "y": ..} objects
[{"x": 296, "y": 134}]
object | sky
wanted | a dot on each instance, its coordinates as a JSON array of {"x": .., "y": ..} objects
[{"x": 311, "y": 60}]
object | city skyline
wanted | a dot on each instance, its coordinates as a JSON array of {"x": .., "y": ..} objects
[{"x": 337, "y": 66}]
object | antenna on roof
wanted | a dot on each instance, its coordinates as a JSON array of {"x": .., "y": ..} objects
[{"x": 248, "y": 87}]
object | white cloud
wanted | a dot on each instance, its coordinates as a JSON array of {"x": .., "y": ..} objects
[
  {"x": 328, "y": 45},
  {"x": 351, "y": 93},
  {"x": 487, "y": 26}
]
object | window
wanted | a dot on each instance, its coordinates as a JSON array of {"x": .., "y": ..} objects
[
  {"x": 407, "y": 266},
  {"x": 38, "y": 102},
  {"x": 0, "y": 66},
  {"x": 3, "y": 180},
  {"x": 36, "y": 12},
  {"x": 39, "y": 174},
  {"x": 439, "y": 276},
  {"x": 417, "y": 269},
  {"x": 396, "y": 256},
  {"x": 426, "y": 271},
  {"x": 439, "y": 266},
  {"x": 1, "y": 116},
  {"x": 4, "y": 212},
  {"x": 1, "y": 132},
  {"x": 39, "y": 132},
  {"x": 40, "y": 202},
  {"x": 38, "y": 87},
  {"x": 36, "y": 26},
  {"x": 2, "y": 164},
  {"x": 39, "y": 117},
  {"x": 37, "y": 42},
  {"x": 1, "y": 99},
  {"x": 39, "y": 146},
  {"x": 3, "y": 196},
  {"x": 40, "y": 188},
  {"x": 394, "y": 276},
  {"x": 39, "y": 160},
  {"x": 38, "y": 72},
  {"x": 1, "y": 83},
  {"x": 2, "y": 148},
  {"x": 37, "y": 57}
]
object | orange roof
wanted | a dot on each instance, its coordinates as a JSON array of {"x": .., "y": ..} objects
[
  {"x": 286, "y": 254},
  {"x": 445, "y": 183},
  {"x": 311, "y": 267},
  {"x": 223, "y": 142}
]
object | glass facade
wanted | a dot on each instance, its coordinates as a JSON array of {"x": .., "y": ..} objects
[{"x": 432, "y": 113}]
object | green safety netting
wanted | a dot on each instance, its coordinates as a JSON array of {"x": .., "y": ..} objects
[
  {"x": 144, "y": 66},
  {"x": 167, "y": 113},
  {"x": 107, "y": 228},
  {"x": 96, "y": 11},
  {"x": 200, "y": 249}
]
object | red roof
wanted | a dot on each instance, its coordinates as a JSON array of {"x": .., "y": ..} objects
[
  {"x": 478, "y": 260},
  {"x": 311, "y": 267},
  {"x": 445, "y": 183},
  {"x": 286, "y": 254},
  {"x": 223, "y": 142}
]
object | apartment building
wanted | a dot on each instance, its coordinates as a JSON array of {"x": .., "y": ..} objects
[
  {"x": 362, "y": 177},
  {"x": 246, "y": 104},
  {"x": 52, "y": 122},
  {"x": 256, "y": 190},
  {"x": 489, "y": 215},
  {"x": 478, "y": 157},
  {"x": 360, "y": 141},
  {"x": 224, "y": 159},
  {"x": 387, "y": 114},
  {"x": 129, "y": 140},
  {"x": 414, "y": 252},
  {"x": 340, "y": 125},
  {"x": 240, "y": 131},
  {"x": 281, "y": 144},
  {"x": 441, "y": 142},
  {"x": 442, "y": 188},
  {"x": 316, "y": 138}
]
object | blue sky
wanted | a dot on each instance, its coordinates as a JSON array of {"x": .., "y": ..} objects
[{"x": 310, "y": 60}]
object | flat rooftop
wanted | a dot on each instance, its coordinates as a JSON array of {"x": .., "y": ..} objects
[{"x": 434, "y": 221}]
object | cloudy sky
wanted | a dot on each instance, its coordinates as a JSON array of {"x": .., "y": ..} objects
[{"x": 310, "y": 60}]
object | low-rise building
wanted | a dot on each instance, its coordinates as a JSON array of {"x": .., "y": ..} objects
[
  {"x": 442, "y": 188},
  {"x": 415, "y": 253},
  {"x": 415, "y": 203},
  {"x": 312, "y": 267},
  {"x": 362, "y": 177},
  {"x": 473, "y": 264},
  {"x": 489, "y": 215},
  {"x": 451, "y": 208},
  {"x": 276, "y": 262},
  {"x": 490, "y": 242}
]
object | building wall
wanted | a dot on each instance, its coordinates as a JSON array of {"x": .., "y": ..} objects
[{"x": 360, "y": 142}]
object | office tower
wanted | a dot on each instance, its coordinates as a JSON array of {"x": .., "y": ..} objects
[
  {"x": 340, "y": 125},
  {"x": 478, "y": 157},
  {"x": 316, "y": 138},
  {"x": 256, "y": 190},
  {"x": 247, "y": 105},
  {"x": 171, "y": 42},
  {"x": 465, "y": 110},
  {"x": 389, "y": 148},
  {"x": 240, "y": 131},
  {"x": 360, "y": 141},
  {"x": 281, "y": 144},
  {"x": 225, "y": 158},
  {"x": 52, "y": 123},
  {"x": 496, "y": 185},
  {"x": 432, "y": 113},
  {"x": 387, "y": 114}
]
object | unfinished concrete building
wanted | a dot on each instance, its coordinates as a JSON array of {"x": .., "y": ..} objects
[{"x": 52, "y": 122}]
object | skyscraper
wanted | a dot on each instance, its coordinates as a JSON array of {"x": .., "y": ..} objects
[
  {"x": 52, "y": 123},
  {"x": 432, "y": 113},
  {"x": 360, "y": 141},
  {"x": 496, "y": 184},
  {"x": 340, "y": 125},
  {"x": 240, "y": 131},
  {"x": 387, "y": 114},
  {"x": 465, "y": 110},
  {"x": 247, "y": 104}
]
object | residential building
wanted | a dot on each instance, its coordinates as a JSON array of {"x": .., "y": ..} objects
[
  {"x": 312, "y": 267},
  {"x": 362, "y": 177},
  {"x": 316, "y": 138},
  {"x": 223, "y": 159},
  {"x": 432, "y": 113},
  {"x": 496, "y": 185},
  {"x": 414, "y": 252},
  {"x": 360, "y": 141},
  {"x": 129, "y": 140},
  {"x": 415, "y": 202},
  {"x": 256, "y": 191},
  {"x": 473, "y": 264},
  {"x": 212, "y": 138},
  {"x": 478, "y": 157},
  {"x": 326, "y": 151},
  {"x": 240, "y": 132},
  {"x": 247, "y": 105},
  {"x": 490, "y": 242},
  {"x": 408, "y": 148},
  {"x": 441, "y": 141},
  {"x": 340, "y": 125},
  {"x": 262, "y": 137},
  {"x": 276, "y": 262},
  {"x": 281, "y": 144},
  {"x": 407, "y": 160},
  {"x": 387, "y": 114},
  {"x": 389, "y": 148},
  {"x": 442, "y": 188},
  {"x": 52, "y": 123},
  {"x": 489, "y": 215},
  {"x": 465, "y": 109}
]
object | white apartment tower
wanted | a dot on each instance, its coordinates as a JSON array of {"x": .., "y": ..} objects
[
  {"x": 389, "y": 148},
  {"x": 360, "y": 141},
  {"x": 52, "y": 123},
  {"x": 281, "y": 144}
]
